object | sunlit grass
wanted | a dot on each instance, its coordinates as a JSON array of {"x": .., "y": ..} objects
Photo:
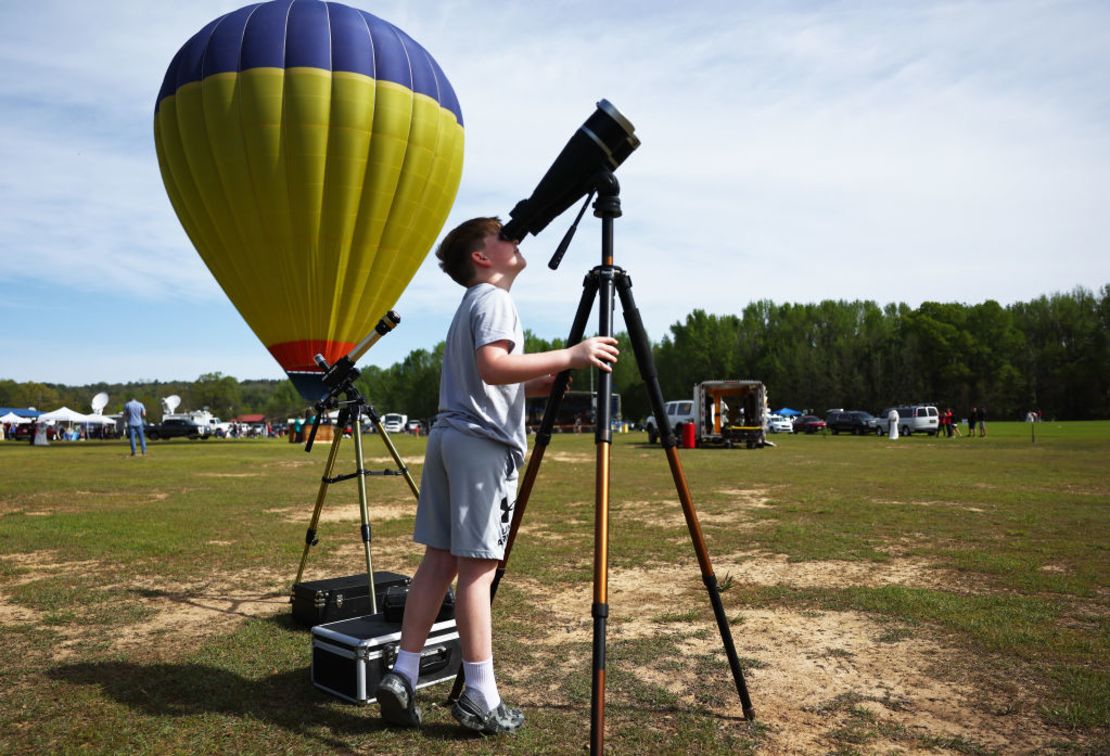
[{"x": 1024, "y": 525}]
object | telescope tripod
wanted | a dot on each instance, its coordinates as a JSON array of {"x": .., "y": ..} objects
[
  {"x": 340, "y": 379},
  {"x": 600, "y": 284}
]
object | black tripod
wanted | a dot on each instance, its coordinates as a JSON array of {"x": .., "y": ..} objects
[{"x": 600, "y": 283}]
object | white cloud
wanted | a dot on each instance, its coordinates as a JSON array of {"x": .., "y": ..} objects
[{"x": 792, "y": 151}]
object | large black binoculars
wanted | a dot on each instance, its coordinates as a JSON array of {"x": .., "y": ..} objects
[{"x": 602, "y": 143}]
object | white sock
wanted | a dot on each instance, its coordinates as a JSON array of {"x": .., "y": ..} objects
[
  {"x": 481, "y": 683},
  {"x": 408, "y": 666}
]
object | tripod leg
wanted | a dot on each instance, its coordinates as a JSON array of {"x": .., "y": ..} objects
[
  {"x": 380, "y": 430},
  {"x": 543, "y": 438},
  {"x": 310, "y": 534},
  {"x": 642, "y": 348},
  {"x": 603, "y": 440},
  {"x": 364, "y": 510}
]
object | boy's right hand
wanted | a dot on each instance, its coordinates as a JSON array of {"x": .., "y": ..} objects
[{"x": 598, "y": 351}]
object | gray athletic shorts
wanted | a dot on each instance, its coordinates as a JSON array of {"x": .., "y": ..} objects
[{"x": 467, "y": 495}]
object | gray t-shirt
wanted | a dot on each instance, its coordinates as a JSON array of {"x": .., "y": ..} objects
[{"x": 466, "y": 402}]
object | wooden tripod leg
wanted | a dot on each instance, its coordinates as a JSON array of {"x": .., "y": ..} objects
[
  {"x": 310, "y": 534},
  {"x": 646, "y": 364},
  {"x": 710, "y": 579}
]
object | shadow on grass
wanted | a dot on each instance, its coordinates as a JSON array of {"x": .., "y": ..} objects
[
  {"x": 287, "y": 699},
  {"x": 211, "y": 600}
]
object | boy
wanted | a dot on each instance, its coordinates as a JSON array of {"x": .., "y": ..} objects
[{"x": 468, "y": 485}]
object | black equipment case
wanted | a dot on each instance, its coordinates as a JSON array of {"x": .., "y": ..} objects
[
  {"x": 332, "y": 599},
  {"x": 350, "y": 657},
  {"x": 397, "y": 596}
]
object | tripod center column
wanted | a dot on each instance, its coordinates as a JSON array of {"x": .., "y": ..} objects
[{"x": 607, "y": 207}]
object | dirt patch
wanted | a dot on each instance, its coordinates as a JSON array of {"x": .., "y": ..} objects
[
  {"x": 536, "y": 530},
  {"x": 668, "y": 513},
  {"x": 14, "y": 614},
  {"x": 812, "y": 676},
  {"x": 187, "y": 613},
  {"x": 389, "y": 463},
  {"x": 180, "y": 613},
  {"x": 569, "y": 457},
  {"x": 292, "y": 463},
  {"x": 228, "y": 475},
  {"x": 761, "y": 568},
  {"x": 748, "y": 498},
  {"x": 36, "y": 565},
  {"x": 819, "y": 666},
  {"x": 348, "y": 512}
]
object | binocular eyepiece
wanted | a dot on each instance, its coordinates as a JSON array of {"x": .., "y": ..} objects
[{"x": 600, "y": 144}]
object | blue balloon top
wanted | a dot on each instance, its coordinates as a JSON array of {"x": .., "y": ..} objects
[{"x": 309, "y": 33}]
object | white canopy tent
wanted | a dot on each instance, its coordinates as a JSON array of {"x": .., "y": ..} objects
[
  {"x": 100, "y": 420},
  {"x": 64, "y": 415},
  {"x": 11, "y": 417}
]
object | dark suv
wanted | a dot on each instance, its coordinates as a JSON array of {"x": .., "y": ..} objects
[
  {"x": 855, "y": 422},
  {"x": 173, "y": 428}
]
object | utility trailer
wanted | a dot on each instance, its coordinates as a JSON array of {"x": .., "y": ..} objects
[{"x": 731, "y": 413}]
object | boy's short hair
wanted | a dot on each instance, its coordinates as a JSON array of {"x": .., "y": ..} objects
[{"x": 455, "y": 249}]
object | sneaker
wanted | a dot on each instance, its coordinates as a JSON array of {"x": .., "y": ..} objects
[
  {"x": 493, "y": 721},
  {"x": 398, "y": 701}
]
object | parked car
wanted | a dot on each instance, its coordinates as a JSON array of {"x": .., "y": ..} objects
[
  {"x": 394, "y": 422},
  {"x": 681, "y": 411},
  {"x": 26, "y": 431},
  {"x": 779, "y": 424},
  {"x": 915, "y": 418},
  {"x": 809, "y": 424},
  {"x": 852, "y": 421}
]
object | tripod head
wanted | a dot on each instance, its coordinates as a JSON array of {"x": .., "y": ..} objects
[
  {"x": 339, "y": 378},
  {"x": 608, "y": 205}
]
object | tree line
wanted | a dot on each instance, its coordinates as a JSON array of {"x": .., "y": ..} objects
[{"x": 1050, "y": 354}]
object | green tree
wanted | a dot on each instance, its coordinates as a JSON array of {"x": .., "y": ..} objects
[
  {"x": 283, "y": 403},
  {"x": 218, "y": 392}
]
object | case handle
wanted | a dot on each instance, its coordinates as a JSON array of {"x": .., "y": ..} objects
[{"x": 432, "y": 659}]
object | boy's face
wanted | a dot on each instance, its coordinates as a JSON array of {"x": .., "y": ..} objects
[{"x": 503, "y": 256}]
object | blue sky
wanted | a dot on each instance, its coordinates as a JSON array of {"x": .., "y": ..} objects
[{"x": 952, "y": 151}]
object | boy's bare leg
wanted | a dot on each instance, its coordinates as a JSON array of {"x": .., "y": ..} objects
[
  {"x": 480, "y": 708},
  {"x": 472, "y": 609},
  {"x": 429, "y": 586},
  {"x": 396, "y": 693}
]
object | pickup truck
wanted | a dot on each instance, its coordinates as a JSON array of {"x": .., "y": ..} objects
[{"x": 174, "y": 427}]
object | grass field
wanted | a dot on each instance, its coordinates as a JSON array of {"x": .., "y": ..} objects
[{"x": 923, "y": 595}]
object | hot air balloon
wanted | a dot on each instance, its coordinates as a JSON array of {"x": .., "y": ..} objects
[{"x": 312, "y": 153}]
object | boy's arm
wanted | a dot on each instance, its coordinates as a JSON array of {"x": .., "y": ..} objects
[
  {"x": 497, "y": 367},
  {"x": 540, "y": 386}
]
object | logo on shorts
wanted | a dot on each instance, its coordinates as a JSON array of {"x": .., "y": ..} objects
[{"x": 506, "y": 517}]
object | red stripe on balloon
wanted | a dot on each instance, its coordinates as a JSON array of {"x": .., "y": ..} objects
[{"x": 300, "y": 355}]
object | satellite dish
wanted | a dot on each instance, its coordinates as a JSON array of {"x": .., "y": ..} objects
[
  {"x": 99, "y": 402},
  {"x": 169, "y": 404}
]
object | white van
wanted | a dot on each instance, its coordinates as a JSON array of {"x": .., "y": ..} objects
[
  {"x": 915, "y": 418},
  {"x": 394, "y": 422}
]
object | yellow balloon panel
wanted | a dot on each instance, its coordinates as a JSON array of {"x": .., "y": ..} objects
[
  {"x": 313, "y": 219},
  {"x": 313, "y": 195}
]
